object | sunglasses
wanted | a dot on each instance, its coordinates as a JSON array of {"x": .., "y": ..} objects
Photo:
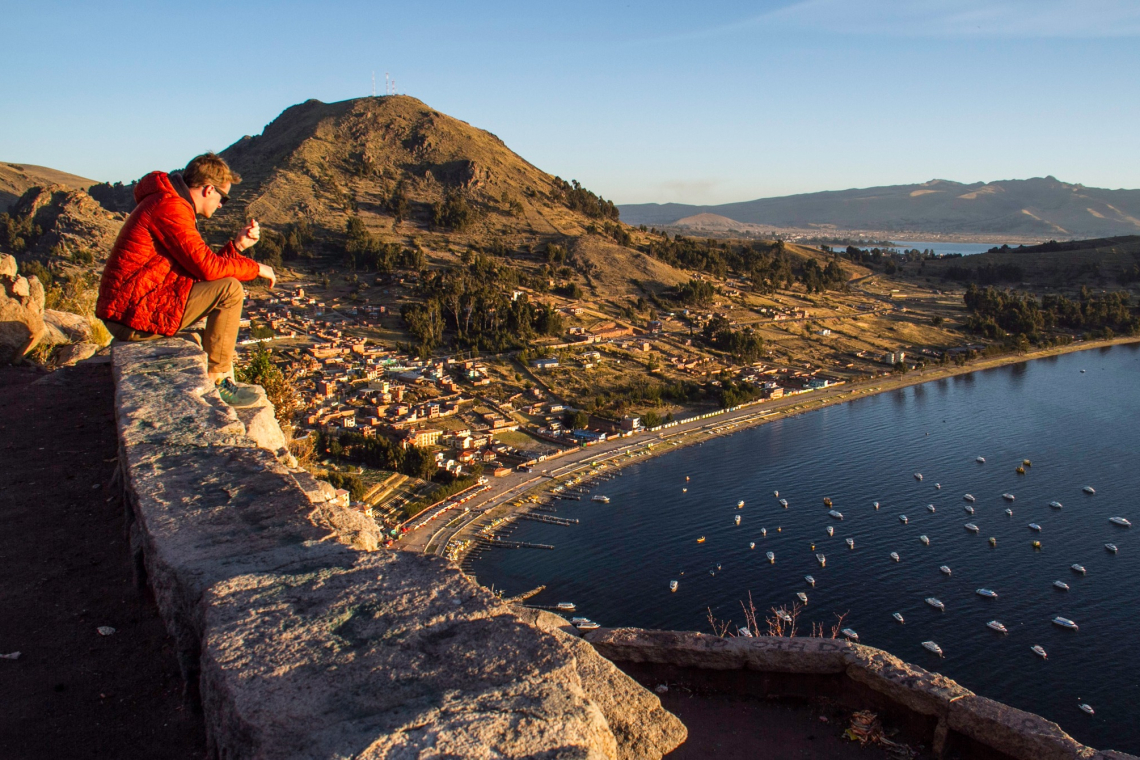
[{"x": 225, "y": 196}]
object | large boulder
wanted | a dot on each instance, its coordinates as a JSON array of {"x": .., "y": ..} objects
[
  {"x": 64, "y": 327},
  {"x": 21, "y": 311}
]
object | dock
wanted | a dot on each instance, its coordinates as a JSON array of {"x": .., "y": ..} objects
[
  {"x": 502, "y": 544},
  {"x": 549, "y": 519}
]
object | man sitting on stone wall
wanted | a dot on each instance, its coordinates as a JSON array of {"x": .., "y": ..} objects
[{"x": 161, "y": 276}]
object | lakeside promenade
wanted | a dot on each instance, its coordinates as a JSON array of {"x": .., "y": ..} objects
[{"x": 441, "y": 524}]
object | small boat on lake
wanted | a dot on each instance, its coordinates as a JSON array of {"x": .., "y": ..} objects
[
  {"x": 935, "y": 603},
  {"x": 929, "y": 507},
  {"x": 997, "y": 626},
  {"x": 968, "y": 509},
  {"x": 969, "y": 497},
  {"x": 1020, "y": 470},
  {"x": 1111, "y": 548},
  {"x": 740, "y": 504},
  {"x": 810, "y": 580},
  {"x": 993, "y": 541},
  {"x": 945, "y": 570},
  {"x": 830, "y": 530},
  {"x": 1065, "y": 623},
  {"x": 918, "y": 476},
  {"x": 875, "y": 504},
  {"x": 1089, "y": 490},
  {"x": 850, "y": 633},
  {"x": 776, "y": 494},
  {"x": 1077, "y": 568},
  {"x": 826, "y": 501},
  {"x": 821, "y": 559},
  {"x": 763, "y": 531},
  {"x": 1061, "y": 585},
  {"x": 987, "y": 593},
  {"x": 925, "y": 541},
  {"x": 771, "y": 557},
  {"x": 1008, "y": 496},
  {"x": 1087, "y": 709},
  {"x": 980, "y": 460},
  {"x": 1026, "y": 463},
  {"x": 898, "y": 616},
  {"x": 672, "y": 585},
  {"x": 836, "y": 514},
  {"x": 895, "y": 556},
  {"x": 931, "y": 646},
  {"x": 1056, "y": 504},
  {"x": 902, "y": 519},
  {"x": 850, "y": 543},
  {"x": 751, "y": 544},
  {"x": 1035, "y": 544},
  {"x": 971, "y": 527},
  {"x": 1039, "y": 651},
  {"x": 584, "y": 624},
  {"x": 565, "y": 606},
  {"x": 684, "y": 490},
  {"x": 737, "y": 520},
  {"x": 802, "y": 596},
  {"x": 784, "y": 503},
  {"x": 1122, "y": 522},
  {"x": 701, "y": 540},
  {"x": 600, "y": 499},
  {"x": 938, "y": 486},
  {"x": 1009, "y": 512},
  {"x": 744, "y": 632},
  {"x": 1035, "y": 526}
]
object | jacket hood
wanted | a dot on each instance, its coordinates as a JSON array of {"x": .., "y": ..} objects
[
  {"x": 164, "y": 184},
  {"x": 155, "y": 182}
]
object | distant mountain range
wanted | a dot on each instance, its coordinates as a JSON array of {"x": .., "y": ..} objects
[{"x": 1041, "y": 207}]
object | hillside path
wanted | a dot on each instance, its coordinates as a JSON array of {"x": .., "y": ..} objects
[{"x": 74, "y": 693}]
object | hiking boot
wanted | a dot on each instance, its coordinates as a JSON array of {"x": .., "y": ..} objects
[{"x": 236, "y": 395}]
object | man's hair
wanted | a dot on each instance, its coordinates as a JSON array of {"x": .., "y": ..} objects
[{"x": 209, "y": 169}]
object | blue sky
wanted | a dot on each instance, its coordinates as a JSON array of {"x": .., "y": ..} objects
[{"x": 705, "y": 102}]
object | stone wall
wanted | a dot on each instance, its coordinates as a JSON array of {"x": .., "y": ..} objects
[
  {"x": 930, "y": 707},
  {"x": 301, "y": 640}
]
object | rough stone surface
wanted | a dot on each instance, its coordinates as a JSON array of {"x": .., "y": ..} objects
[
  {"x": 72, "y": 327},
  {"x": 394, "y": 656},
  {"x": 1015, "y": 732},
  {"x": 21, "y": 314},
  {"x": 698, "y": 650},
  {"x": 164, "y": 396},
  {"x": 641, "y": 726},
  {"x": 303, "y": 647},
  {"x": 917, "y": 689},
  {"x": 8, "y": 266},
  {"x": 75, "y": 352},
  {"x": 261, "y": 424}
]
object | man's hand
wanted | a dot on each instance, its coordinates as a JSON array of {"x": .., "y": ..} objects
[
  {"x": 249, "y": 236},
  {"x": 265, "y": 271}
]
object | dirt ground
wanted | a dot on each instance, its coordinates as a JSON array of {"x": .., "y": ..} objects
[{"x": 74, "y": 693}]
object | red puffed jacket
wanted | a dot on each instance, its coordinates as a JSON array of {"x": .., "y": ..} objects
[{"x": 158, "y": 257}]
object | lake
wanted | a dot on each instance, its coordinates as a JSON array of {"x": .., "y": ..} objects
[
  {"x": 1077, "y": 428},
  {"x": 941, "y": 247}
]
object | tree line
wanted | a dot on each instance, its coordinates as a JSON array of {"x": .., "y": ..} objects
[{"x": 999, "y": 313}]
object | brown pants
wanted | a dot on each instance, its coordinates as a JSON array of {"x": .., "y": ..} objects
[{"x": 219, "y": 301}]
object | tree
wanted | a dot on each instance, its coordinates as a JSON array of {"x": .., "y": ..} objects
[
  {"x": 260, "y": 369},
  {"x": 579, "y": 420}
]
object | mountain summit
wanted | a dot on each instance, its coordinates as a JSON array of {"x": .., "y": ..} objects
[
  {"x": 393, "y": 160},
  {"x": 1042, "y": 206}
]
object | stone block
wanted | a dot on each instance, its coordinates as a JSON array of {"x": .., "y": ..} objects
[
  {"x": 208, "y": 514},
  {"x": 396, "y": 655},
  {"x": 261, "y": 423},
  {"x": 909, "y": 685},
  {"x": 8, "y": 266},
  {"x": 1016, "y": 733},
  {"x": 74, "y": 353},
  {"x": 641, "y": 726},
  {"x": 164, "y": 396},
  {"x": 21, "y": 316},
  {"x": 74, "y": 328},
  {"x": 318, "y": 491},
  {"x": 681, "y": 648}
]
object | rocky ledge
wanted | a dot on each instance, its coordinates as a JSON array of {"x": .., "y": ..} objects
[
  {"x": 302, "y": 640},
  {"x": 946, "y": 716}
]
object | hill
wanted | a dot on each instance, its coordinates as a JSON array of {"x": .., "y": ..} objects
[
  {"x": 17, "y": 179},
  {"x": 1041, "y": 207}
]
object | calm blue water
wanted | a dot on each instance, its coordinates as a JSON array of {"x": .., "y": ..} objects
[
  {"x": 1078, "y": 429},
  {"x": 942, "y": 247}
]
